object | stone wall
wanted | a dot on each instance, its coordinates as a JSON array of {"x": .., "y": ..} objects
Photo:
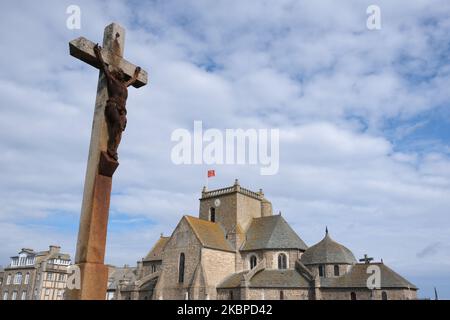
[
  {"x": 217, "y": 266},
  {"x": 366, "y": 294},
  {"x": 183, "y": 240}
]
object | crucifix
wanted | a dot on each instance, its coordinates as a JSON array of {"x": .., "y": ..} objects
[
  {"x": 366, "y": 259},
  {"x": 116, "y": 74}
]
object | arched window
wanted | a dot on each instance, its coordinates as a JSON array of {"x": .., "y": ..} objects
[
  {"x": 384, "y": 295},
  {"x": 212, "y": 214},
  {"x": 253, "y": 261},
  {"x": 282, "y": 261},
  {"x": 321, "y": 271},
  {"x": 336, "y": 271},
  {"x": 8, "y": 279},
  {"x": 18, "y": 278},
  {"x": 153, "y": 268},
  {"x": 27, "y": 278},
  {"x": 281, "y": 295},
  {"x": 181, "y": 268},
  {"x": 231, "y": 295},
  {"x": 352, "y": 296}
]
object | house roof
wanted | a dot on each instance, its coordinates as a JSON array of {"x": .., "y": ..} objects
[
  {"x": 327, "y": 251},
  {"x": 358, "y": 275},
  {"x": 119, "y": 275},
  {"x": 210, "y": 234},
  {"x": 272, "y": 232},
  {"x": 155, "y": 253}
]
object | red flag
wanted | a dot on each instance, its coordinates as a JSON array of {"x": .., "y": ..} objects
[{"x": 211, "y": 173}]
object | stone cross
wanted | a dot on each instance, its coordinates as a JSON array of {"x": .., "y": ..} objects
[
  {"x": 92, "y": 231},
  {"x": 366, "y": 259}
]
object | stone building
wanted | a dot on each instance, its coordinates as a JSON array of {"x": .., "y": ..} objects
[
  {"x": 36, "y": 275},
  {"x": 238, "y": 249}
]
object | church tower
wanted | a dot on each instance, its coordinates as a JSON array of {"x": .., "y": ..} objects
[{"x": 233, "y": 208}]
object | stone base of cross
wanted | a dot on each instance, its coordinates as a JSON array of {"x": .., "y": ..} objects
[{"x": 92, "y": 232}]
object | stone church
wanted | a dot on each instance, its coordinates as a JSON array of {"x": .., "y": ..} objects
[{"x": 238, "y": 249}]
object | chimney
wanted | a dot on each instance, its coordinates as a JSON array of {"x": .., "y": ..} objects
[{"x": 54, "y": 249}]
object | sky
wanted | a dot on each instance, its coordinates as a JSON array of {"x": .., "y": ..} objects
[{"x": 363, "y": 115}]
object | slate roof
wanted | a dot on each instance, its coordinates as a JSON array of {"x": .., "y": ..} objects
[
  {"x": 232, "y": 281},
  {"x": 357, "y": 278},
  {"x": 155, "y": 253},
  {"x": 327, "y": 251},
  {"x": 274, "y": 278},
  {"x": 210, "y": 234},
  {"x": 118, "y": 275},
  {"x": 272, "y": 232},
  {"x": 267, "y": 278}
]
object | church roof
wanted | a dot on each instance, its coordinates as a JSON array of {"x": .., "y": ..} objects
[
  {"x": 357, "y": 278},
  {"x": 267, "y": 278},
  {"x": 327, "y": 251},
  {"x": 210, "y": 234},
  {"x": 274, "y": 278},
  {"x": 155, "y": 253},
  {"x": 272, "y": 232},
  {"x": 233, "y": 280}
]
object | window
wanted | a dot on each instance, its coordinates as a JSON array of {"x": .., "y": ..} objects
[
  {"x": 27, "y": 278},
  {"x": 153, "y": 268},
  {"x": 47, "y": 292},
  {"x": 8, "y": 279},
  {"x": 24, "y": 295},
  {"x": 49, "y": 276},
  {"x": 384, "y": 295},
  {"x": 212, "y": 214},
  {"x": 253, "y": 261},
  {"x": 281, "y": 295},
  {"x": 14, "y": 295},
  {"x": 352, "y": 296},
  {"x": 5, "y": 295},
  {"x": 282, "y": 261},
  {"x": 61, "y": 277},
  {"x": 18, "y": 278},
  {"x": 181, "y": 268},
  {"x": 321, "y": 271},
  {"x": 231, "y": 295},
  {"x": 336, "y": 271}
]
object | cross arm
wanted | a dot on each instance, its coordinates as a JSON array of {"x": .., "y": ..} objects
[{"x": 83, "y": 49}]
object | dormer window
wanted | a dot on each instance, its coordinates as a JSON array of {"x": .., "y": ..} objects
[{"x": 212, "y": 214}]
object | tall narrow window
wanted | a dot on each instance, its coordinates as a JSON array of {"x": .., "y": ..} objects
[
  {"x": 8, "y": 279},
  {"x": 281, "y": 295},
  {"x": 336, "y": 271},
  {"x": 253, "y": 261},
  {"x": 282, "y": 261},
  {"x": 24, "y": 295},
  {"x": 181, "y": 268},
  {"x": 27, "y": 278},
  {"x": 321, "y": 271},
  {"x": 14, "y": 295},
  {"x": 18, "y": 278},
  {"x": 353, "y": 296},
  {"x": 231, "y": 295},
  {"x": 5, "y": 295},
  {"x": 384, "y": 295},
  {"x": 212, "y": 214}
]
